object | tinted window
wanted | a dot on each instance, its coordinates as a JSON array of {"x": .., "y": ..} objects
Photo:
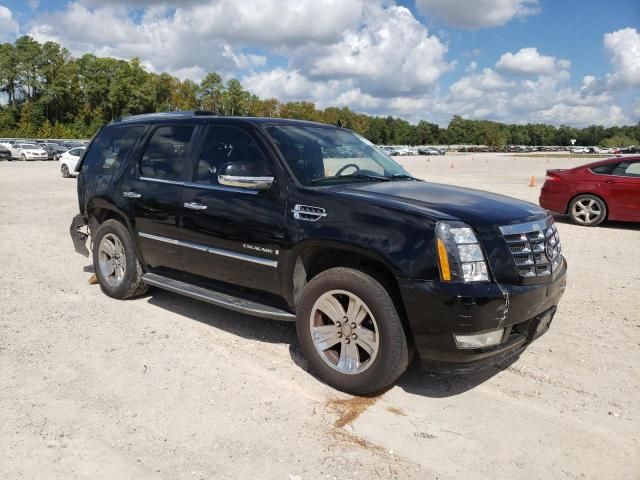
[
  {"x": 76, "y": 152},
  {"x": 165, "y": 155},
  {"x": 229, "y": 146},
  {"x": 604, "y": 169},
  {"x": 109, "y": 149},
  {"x": 627, "y": 169},
  {"x": 320, "y": 154}
]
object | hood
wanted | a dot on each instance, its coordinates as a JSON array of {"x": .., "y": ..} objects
[{"x": 474, "y": 207}]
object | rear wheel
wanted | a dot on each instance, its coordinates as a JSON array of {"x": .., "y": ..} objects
[
  {"x": 587, "y": 210},
  {"x": 350, "y": 331},
  {"x": 115, "y": 261}
]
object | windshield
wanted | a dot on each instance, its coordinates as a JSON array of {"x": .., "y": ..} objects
[
  {"x": 29, "y": 146},
  {"x": 320, "y": 156}
]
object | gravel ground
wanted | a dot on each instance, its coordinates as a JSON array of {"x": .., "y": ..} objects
[{"x": 170, "y": 388}]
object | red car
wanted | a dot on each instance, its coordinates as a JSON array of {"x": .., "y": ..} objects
[{"x": 609, "y": 189}]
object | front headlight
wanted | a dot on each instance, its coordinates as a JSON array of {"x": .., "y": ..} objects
[{"x": 459, "y": 254}]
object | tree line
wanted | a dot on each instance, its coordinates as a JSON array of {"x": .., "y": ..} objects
[{"x": 47, "y": 93}]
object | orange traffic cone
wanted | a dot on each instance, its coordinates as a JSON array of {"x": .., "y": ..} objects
[{"x": 532, "y": 182}]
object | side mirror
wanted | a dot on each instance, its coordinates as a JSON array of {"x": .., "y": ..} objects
[{"x": 247, "y": 175}]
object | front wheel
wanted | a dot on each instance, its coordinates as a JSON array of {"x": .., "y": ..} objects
[
  {"x": 23, "y": 158},
  {"x": 587, "y": 210},
  {"x": 115, "y": 261},
  {"x": 350, "y": 331},
  {"x": 65, "y": 171}
]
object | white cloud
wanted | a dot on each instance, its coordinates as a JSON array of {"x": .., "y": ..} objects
[
  {"x": 477, "y": 85},
  {"x": 623, "y": 46},
  {"x": 527, "y": 61},
  {"x": 8, "y": 26},
  {"x": 109, "y": 31},
  {"x": 387, "y": 53},
  {"x": 477, "y": 13},
  {"x": 371, "y": 55}
]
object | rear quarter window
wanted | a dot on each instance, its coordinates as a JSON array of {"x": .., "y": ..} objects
[
  {"x": 604, "y": 169},
  {"x": 109, "y": 149}
]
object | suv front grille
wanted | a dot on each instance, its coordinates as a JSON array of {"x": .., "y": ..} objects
[{"x": 535, "y": 247}]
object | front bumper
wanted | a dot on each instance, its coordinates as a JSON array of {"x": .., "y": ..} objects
[{"x": 436, "y": 311}]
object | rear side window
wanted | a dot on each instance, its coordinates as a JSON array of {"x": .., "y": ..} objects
[
  {"x": 166, "y": 154},
  {"x": 224, "y": 146},
  {"x": 604, "y": 169},
  {"x": 109, "y": 149}
]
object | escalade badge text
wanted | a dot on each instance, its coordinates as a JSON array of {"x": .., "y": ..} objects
[{"x": 261, "y": 249}]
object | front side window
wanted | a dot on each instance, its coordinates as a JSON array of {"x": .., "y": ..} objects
[
  {"x": 229, "y": 149},
  {"x": 321, "y": 155},
  {"x": 109, "y": 149},
  {"x": 627, "y": 169},
  {"x": 166, "y": 154}
]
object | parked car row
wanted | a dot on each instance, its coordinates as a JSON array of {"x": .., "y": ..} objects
[
  {"x": 12, "y": 149},
  {"x": 399, "y": 150}
]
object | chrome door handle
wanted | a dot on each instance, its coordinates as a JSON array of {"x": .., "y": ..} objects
[
  {"x": 131, "y": 194},
  {"x": 194, "y": 206}
]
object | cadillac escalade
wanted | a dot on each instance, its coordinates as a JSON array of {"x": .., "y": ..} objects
[{"x": 305, "y": 222}]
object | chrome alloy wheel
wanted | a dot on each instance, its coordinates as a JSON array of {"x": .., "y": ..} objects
[
  {"x": 112, "y": 259},
  {"x": 344, "y": 332},
  {"x": 586, "y": 211}
]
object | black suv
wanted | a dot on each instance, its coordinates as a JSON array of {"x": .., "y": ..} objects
[{"x": 300, "y": 221}]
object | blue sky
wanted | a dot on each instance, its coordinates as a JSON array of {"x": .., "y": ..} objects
[{"x": 569, "y": 61}]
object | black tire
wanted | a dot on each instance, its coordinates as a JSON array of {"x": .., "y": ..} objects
[
  {"x": 584, "y": 219},
  {"x": 131, "y": 284},
  {"x": 392, "y": 356},
  {"x": 65, "y": 171},
  {"x": 23, "y": 158}
]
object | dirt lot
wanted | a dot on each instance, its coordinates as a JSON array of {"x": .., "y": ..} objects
[{"x": 167, "y": 387}]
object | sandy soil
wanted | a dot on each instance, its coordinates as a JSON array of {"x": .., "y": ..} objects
[{"x": 166, "y": 387}]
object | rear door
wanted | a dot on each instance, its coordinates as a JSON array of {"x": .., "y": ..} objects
[
  {"x": 153, "y": 189},
  {"x": 623, "y": 191},
  {"x": 231, "y": 234}
]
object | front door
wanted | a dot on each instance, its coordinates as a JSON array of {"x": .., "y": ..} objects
[
  {"x": 230, "y": 234},
  {"x": 623, "y": 191},
  {"x": 154, "y": 191}
]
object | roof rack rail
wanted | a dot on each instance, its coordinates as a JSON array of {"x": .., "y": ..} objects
[{"x": 175, "y": 113}]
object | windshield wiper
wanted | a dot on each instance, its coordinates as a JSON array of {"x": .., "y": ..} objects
[
  {"x": 359, "y": 176},
  {"x": 401, "y": 176}
]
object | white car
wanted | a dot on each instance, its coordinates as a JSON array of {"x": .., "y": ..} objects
[
  {"x": 579, "y": 150},
  {"x": 68, "y": 161},
  {"x": 28, "y": 151}
]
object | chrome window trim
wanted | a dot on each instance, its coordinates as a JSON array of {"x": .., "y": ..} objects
[
  {"x": 214, "y": 251},
  {"x": 222, "y": 188},
  {"x": 160, "y": 180}
]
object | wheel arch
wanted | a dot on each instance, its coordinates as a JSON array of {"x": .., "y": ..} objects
[
  {"x": 312, "y": 258},
  {"x": 99, "y": 210}
]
